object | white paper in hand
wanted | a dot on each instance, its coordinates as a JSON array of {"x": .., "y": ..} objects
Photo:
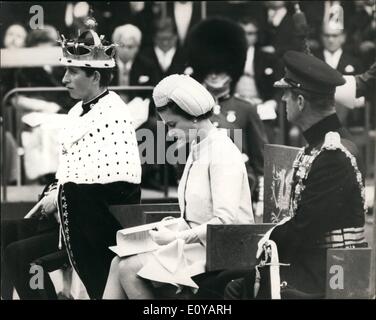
[{"x": 136, "y": 240}]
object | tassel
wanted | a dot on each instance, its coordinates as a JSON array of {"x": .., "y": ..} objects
[
  {"x": 256, "y": 286},
  {"x": 60, "y": 240}
]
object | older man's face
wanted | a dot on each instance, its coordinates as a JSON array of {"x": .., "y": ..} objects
[{"x": 127, "y": 49}]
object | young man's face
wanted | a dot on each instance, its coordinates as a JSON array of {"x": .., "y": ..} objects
[
  {"x": 165, "y": 40},
  {"x": 332, "y": 39},
  {"x": 251, "y": 33},
  {"x": 78, "y": 83}
]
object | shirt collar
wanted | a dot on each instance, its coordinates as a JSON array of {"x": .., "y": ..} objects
[
  {"x": 334, "y": 54},
  {"x": 88, "y": 105},
  {"x": 317, "y": 132}
]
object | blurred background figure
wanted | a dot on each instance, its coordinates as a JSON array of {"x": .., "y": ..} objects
[
  {"x": 38, "y": 142},
  {"x": 132, "y": 69},
  {"x": 335, "y": 54},
  {"x": 166, "y": 54},
  {"x": 278, "y": 27},
  {"x": 362, "y": 31},
  {"x": 15, "y": 37},
  {"x": 185, "y": 14},
  {"x": 261, "y": 70}
]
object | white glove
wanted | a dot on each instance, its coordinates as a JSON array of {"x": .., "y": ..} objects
[{"x": 259, "y": 208}]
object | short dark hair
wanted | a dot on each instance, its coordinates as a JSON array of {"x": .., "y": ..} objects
[
  {"x": 244, "y": 20},
  {"x": 106, "y": 75},
  {"x": 317, "y": 100},
  {"x": 179, "y": 111},
  {"x": 164, "y": 24}
]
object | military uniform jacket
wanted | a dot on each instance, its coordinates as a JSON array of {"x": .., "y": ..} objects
[
  {"x": 235, "y": 113},
  {"x": 329, "y": 210}
]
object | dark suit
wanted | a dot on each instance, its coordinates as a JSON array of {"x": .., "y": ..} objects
[
  {"x": 267, "y": 71},
  {"x": 280, "y": 37},
  {"x": 329, "y": 201},
  {"x": 347, "y": 65},
  {"x": 195, "y": 18},
  {"x": 177, "y": 63},
  {"x": 142, "y": 73}
]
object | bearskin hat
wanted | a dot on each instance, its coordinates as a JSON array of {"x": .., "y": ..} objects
[{"x": 216, "y": 45}]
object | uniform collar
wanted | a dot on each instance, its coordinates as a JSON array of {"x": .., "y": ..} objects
[
  {"x": 88, "y": 105},
  {"x": 317, "y": 132},
  {"x": 225, "y": 97}
]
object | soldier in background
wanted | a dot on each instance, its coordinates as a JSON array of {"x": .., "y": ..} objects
[{"x": 216, "y": 52}]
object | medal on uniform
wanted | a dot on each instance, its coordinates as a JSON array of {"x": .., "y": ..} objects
[
  {"x": 231, "y": 116},
  {"x": 217, "y": 109}
]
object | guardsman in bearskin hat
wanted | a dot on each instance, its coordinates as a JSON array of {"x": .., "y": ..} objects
[
  {"x": 216, "y": 50},
  {"x": 99, "y": 165},
  {"x": 327, "y": 206}
]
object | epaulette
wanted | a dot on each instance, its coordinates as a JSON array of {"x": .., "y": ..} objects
[{"x": 332, "y": 141}]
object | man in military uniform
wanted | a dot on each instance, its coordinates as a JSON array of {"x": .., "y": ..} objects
[
  {"x": 216, "y": 53},
  {"x": 327, "y": 204}
]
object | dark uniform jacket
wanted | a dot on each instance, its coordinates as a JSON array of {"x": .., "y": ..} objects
[
  {"x": 330, "y": 201},
  {"x": 236, "y": 113}
]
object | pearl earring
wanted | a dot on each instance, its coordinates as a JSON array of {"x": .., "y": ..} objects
[{"x": 195, "y": 120}]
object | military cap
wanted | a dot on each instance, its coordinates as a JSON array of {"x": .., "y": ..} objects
[{"x": 306, "y": 72}]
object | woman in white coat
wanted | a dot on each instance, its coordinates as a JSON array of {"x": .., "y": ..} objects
[{"x": 213, "y": 190}]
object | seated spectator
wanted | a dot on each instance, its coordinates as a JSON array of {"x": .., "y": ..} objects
[
  {"x": 185, "y": 15},
  {"x": 15, "y": 37},
  {"x": 166, "y": 55},
  {"x": 261, "y": 70},
  {"x": 338, "y": 57},
  {"x": 362, "y": 31},
  {"x": 132, "y": 68},
  {"x": 277, "y": 27},
  {"x": 213, "y": 190}
]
